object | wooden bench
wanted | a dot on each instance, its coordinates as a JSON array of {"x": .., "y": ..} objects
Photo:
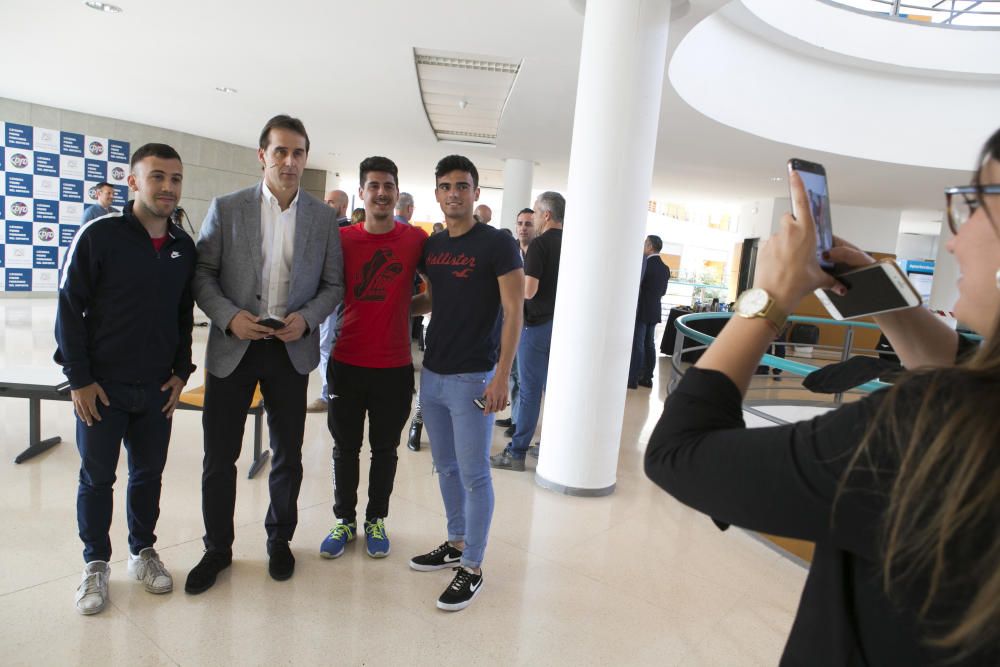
[{"x": 194, "y": 399}]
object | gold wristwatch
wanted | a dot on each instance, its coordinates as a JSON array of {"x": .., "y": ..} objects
[{"x": 755, "y": 303}]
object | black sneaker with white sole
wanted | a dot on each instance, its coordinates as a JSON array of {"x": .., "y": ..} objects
[
  {"x": 442, "y": 557},
  {"x": 462, "y": 590}
]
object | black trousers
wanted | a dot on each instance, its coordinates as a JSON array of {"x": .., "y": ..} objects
[
  {"x": 136, "y": 417},
  {"x": 226, "y": 403},
  {"x": 385, "y": 395}
]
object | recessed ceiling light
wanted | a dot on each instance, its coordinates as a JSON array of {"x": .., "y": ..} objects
[
  {"x": 777, "y": 179},
  {"x": 103, "y": 7},
  {"x": 226, "y": 89}
]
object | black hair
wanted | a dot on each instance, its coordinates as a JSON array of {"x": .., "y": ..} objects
[
  {"x": 103, "y": 184},
  {"x": 990, "y": 151},
  {"x": 378, "y": 163},
  {"x": 282, "y": 122},
  {"x": 655, "y": 241},
  {"x": 457, "y": 163},
  {"x": 523, "y": 211},
  {"x": 162, "y": 151}
]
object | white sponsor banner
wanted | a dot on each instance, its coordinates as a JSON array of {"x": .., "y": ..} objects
[
  {"x": 19, "y": 256},
  {"x": 46, "y": 141},
  {"x": 70, "y": 212},
  {"x": 71, "y": 166},
  {"x": 45, "y": 280},
  {"x": 47, "y": 187}
]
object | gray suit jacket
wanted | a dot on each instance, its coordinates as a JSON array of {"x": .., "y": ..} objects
[{"x": 228, "y": 275}]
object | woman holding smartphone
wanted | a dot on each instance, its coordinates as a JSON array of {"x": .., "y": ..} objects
[{"x": 900, "y": 491}]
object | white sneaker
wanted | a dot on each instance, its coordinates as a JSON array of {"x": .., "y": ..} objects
[
  {"x": 92, "y": 595},
  {"x": 147, "y": 568}
]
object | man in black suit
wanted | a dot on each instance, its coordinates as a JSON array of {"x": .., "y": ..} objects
[{"x": 652, "y": 287}]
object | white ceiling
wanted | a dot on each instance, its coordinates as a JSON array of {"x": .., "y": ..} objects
[{"x": 346, "y": 68}]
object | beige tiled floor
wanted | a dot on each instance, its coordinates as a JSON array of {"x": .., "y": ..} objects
[{"x": 633, "y": 578}]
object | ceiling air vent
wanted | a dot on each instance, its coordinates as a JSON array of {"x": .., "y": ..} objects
[{"x": 465, "y": 94}]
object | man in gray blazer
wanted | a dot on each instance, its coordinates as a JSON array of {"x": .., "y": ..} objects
[{"x": 269, "y": 272}]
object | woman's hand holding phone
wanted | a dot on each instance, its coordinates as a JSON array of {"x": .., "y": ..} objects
[
  {"x": 849, "y": 255},
  {"x": 787, "y": 268}
]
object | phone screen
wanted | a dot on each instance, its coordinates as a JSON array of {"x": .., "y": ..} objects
[
  {"x": 814, "y": 179},
  {"x": 868, "y": 291}
]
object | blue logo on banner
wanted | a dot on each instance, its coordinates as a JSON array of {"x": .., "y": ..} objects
[
  {"x": 3, "y": 208},
  {"x": 18, "y": 280},
  {"x": 66, "y": 234},
  {"x": 46, "y": 164},
  {"x": 71, "y": 143},
  {"x": 18, "y": 233},
  {"x": 95, "y": 170},
  {"x": 2, "y": 256},
  {"x": 118, "y": 151},
  {"x": 70, "y": 190},
  {"x": 121, "y": 195},
  {"x": 19, "y": 185},
  {"x": 3, "y": 158},
  {"x": 19, "y": 136},
  {"x": 46, "y": 211},
  {"x": 46, "y": 258}
]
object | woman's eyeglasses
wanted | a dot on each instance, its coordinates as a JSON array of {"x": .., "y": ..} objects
[{"x": 963, "y": 201}]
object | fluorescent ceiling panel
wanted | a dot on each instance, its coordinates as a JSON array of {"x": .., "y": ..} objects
[{"x": 465, "y": 94}]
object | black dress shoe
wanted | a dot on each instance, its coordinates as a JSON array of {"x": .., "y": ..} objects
[
  {"x": 413, "y": 442},
  {"x": 503, "y": 423},
  {"x": 510, "y": 430},
  {"x": 646, "y": 383},
  {"x": 202, "y": 576},
  {"x": 282, "y": 563}
]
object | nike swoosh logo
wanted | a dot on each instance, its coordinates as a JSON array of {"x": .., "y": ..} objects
[
  {"x": 174, "y": 255},
  {"x": 475, "y": 587},
  {"x": 452, "y": 559}
]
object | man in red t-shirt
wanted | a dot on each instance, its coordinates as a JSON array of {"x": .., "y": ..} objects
[{"x": 371, "y": 371}]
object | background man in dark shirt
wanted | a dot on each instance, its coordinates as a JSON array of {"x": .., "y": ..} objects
[
  {"x": 652, "y": 287},
  {"x": 525, "y": 233},
  {"x": 541, "y": 271}
]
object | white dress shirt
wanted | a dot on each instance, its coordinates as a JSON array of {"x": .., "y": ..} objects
[{"x": 277, "y": 240}]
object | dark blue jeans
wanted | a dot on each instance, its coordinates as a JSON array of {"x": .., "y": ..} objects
[
  {"x": 532, "y": 369},
  {"x": 135, "y": 416},
  {"x": 643, "y": 353}
]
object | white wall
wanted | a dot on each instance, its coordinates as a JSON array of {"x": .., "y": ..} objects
[{"x": 872, "y": 229}]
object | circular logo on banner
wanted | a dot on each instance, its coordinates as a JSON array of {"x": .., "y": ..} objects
[
  {"x": 118, "y": 173},
  {"x": 92, "y": 193},
  {"x": 19, "y": 160},
  {"x": 96, "y": 148},
  {"x": 19, "y": 209},
  {"x": 46, "y": 234}
]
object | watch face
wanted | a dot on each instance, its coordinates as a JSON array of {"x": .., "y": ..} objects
[{"x": 752, "y": 302}]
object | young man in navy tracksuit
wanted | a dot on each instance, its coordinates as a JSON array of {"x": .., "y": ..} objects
[{"x": 123, "y": 331}]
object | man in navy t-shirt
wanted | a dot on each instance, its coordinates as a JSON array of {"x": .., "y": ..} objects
[{"x": 475, "y": 295}]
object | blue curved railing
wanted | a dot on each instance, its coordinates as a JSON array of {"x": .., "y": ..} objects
[{"x": 795, "y": 367}]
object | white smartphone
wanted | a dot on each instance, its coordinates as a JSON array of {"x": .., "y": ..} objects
[{"x": 877, "y": 288}]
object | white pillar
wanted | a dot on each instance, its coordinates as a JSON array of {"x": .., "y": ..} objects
[
  {"x": 611, "y": 168},
  {"x": 517, "y": 177}
]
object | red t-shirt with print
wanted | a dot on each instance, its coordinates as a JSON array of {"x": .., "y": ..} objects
[{"x": 378, "y": 286}]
